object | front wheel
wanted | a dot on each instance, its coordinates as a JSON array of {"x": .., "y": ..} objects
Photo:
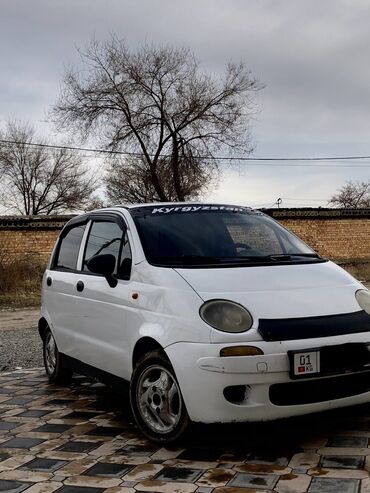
[
  {"x": 156, "y": 400},
  {"x": 53, "y": 361}
]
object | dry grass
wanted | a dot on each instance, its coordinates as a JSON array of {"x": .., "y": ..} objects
[
  {"x": 359, "y": 270},
  {"x": 20, "y": 283}
]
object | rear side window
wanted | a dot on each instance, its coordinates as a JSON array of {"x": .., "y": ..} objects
[
  {"x": 104, "y": 238},
  {"x": 69, "y": 248}
]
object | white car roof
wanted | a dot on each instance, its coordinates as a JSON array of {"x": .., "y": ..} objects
[{"x": 174, "y": 204}]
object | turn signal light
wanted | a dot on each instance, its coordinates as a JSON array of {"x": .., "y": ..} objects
[{"x": 241, "y": 351}]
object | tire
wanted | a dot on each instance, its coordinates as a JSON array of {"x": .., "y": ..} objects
[
  {"x": 156, "y": 401},
  {"x": 53, "y": 361}
]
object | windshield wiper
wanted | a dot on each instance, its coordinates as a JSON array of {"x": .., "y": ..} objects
[
  {"x": 185, "y": 259},
  {"x": 207, "y": 260},
  {"x": 287, "y": 256}
]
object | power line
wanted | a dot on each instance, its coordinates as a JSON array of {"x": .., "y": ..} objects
[{"x": 252, "y": 161}]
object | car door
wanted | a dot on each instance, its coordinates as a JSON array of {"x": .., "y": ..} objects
[
  {"x": 102, "y": 338},
  {"x": 59, "y": 289}
]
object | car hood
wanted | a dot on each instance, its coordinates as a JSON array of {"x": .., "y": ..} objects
[{"x": 279, "y": 291}]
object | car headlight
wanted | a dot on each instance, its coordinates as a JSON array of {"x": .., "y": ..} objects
[
  {"x": 363, "y": 299},
  {"x": 226, "y": 316}
]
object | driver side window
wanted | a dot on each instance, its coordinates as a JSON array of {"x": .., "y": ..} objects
[{"x": 107, "y": 237}]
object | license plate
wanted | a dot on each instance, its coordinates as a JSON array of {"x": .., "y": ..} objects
[{"x": 305, "y": 363}]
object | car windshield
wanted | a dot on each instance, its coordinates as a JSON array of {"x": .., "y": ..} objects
[{"x": 202, "y": 235}]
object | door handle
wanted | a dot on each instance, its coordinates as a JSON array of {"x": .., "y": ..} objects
[
  {"x": 49, "y": 281},
  {"x": 80, "y": 286}
]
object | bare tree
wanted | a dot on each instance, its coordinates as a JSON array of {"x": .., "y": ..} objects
[
  {"x": 37, "y": 180},
  {"x": 353, "y": 195},
  {"x": 130, "y": 180},
  {"x": 158, "y": 105}
]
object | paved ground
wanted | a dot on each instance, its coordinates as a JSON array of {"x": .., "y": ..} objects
[{"x": 81, "y": 440}]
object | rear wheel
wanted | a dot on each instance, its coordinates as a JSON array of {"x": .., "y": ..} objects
[
  {"x": 156, "y": 400},
  {"x": 53, "y": 361}
]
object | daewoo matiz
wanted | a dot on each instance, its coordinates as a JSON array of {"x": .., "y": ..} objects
[{"x": 213, "y": 313}]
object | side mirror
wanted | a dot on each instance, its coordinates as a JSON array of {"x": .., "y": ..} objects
[{"x": 103, "y": 264}]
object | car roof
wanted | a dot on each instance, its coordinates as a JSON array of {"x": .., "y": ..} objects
[{"x": 175, "y": 204}]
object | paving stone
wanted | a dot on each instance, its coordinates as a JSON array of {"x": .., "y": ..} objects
[
  {"x": 262, "y": 468},
  {"x": 216, "y": 477},
  {"x": 108, "y": 469},
  {"x": 344, "y": 451},
  {"x": 305, "y": 460},
  {"x": 138, "y": 449},
  {"x": 257, "y": 481},
  {"x": 44, "y": 465},
  {"x": 338, "y": 473},
  {"x": 21, "y": 442},
  {"x": 293, "y": 483},
  {"x": 143, "y": 471},
  {"x": 48, "y": 487},
  {"x": 83, "y": 415},
  {"x": 165, "y": 487},
  {"x": 206, "y": 454},
  {"x": 52, "y": 428},
  {"x": 268, "y": 460},
  {"x": 79, "y": 447},
  {"x": 19, "y": 401},
  {"x": 12, "y": 486},
  {"x": 34, "y": 413},
  {"x": 327, "y": 485},
  {"x": 80, "y": 489},
  {"x": 179, "y": 474},
  {"x": 8, "y": 426},
  {"x": 342, "y": 462},
  {"x": 348, "y": 441},
  {"x": 105, "y": 431},
  {"x": 60, "y": 402},
  {"x": 92, "y": 481}
]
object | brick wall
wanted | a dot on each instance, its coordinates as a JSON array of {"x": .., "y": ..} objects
[
  {"x": 31, "y": 237},
  {"x": 339, "y": 234},
  {"x": 336, "y": 233}
]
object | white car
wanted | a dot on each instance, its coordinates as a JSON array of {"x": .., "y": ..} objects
[{"x": 213, "y": 313}]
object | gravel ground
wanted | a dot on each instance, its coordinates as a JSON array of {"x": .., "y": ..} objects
[{"x": 20, "y": 348}]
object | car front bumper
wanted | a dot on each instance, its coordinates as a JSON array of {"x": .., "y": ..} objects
[{"x": 270, "y": 393}]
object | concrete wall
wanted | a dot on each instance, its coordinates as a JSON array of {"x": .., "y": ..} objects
[{"x": 340, "y": 234}]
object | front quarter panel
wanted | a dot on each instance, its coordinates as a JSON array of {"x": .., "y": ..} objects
[{"x": 169, "y": 307}]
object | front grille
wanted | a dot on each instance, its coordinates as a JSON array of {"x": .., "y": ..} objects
[
  {"x": 320, "y": 390},
  {"x": 288, "y": 329}
]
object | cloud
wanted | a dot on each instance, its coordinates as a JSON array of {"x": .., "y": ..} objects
[{"x": 312, "y": 55}]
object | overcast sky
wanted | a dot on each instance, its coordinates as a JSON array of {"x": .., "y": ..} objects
[{"x": 312, "y": 55}]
